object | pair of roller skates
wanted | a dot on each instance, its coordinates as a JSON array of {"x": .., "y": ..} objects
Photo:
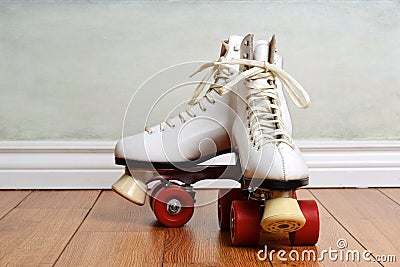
[{"x": 243, "y": 112}]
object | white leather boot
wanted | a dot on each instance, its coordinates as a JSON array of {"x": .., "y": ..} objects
[
  {"x": 262, "y": 132},
  {"x": 195, "y": 135}
]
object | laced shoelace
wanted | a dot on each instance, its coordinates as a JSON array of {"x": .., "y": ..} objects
[
  {"x": 265, "y": 121},
  {"x": 221, "y": 74}
]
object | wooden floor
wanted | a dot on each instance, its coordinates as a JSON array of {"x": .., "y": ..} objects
[{"x": 99, "y": 228}]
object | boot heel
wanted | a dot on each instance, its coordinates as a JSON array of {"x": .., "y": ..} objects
[
  {"x": 131, "y": 189},
  {"x": 282, "y": 215}
]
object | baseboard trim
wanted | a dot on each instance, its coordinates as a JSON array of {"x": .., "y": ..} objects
[{"x": 89, "y": 164}]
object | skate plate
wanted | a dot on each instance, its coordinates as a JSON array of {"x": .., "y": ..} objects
[{"x": 275, "y": 184}]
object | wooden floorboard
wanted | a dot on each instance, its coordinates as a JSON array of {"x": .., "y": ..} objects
[
  {"x": 392, "y": 193},
  {"x": 60, "y": 199},
  {"x": 10, "y": 199},
  {"x": 36, "y": 231},
  {"x": 93, "y": 228},
  {"x": 370, "y": 216},
  {"x": 116, "y": 233},
  {"x": 112, "y": 213},
  {"x": 114, "y": 249},
  {"x": 330, "y": 232}
]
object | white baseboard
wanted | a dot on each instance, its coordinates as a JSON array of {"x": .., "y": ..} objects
[{"x": 90, "y": 164}]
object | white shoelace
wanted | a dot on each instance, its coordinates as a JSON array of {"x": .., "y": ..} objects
[
  {"x": 265, "y": 121},
  {"x": 264, "y": 113},
  {"x": 221, "y": 74}
]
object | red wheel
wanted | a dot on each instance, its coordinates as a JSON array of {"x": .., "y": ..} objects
[
  {"x": 225, "y": 198},
  {"x": 245, "y": 222},
  {"x": 154, "y": 191},
  {"x": 309, "y": 233},
  {"x": 173, "y": 206}
]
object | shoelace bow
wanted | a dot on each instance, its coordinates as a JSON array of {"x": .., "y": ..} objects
[
  {"x": 221, "y": 73},
  {"x": 264, "y": 118}
]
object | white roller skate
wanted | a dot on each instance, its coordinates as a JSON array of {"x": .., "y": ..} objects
[
  {"x": 258, "y": 129},
  {"x": 272, "y": 165},
  {"x": 176, "y": 144}
]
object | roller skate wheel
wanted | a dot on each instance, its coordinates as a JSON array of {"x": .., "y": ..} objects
[
  {"x": 309, "y": 233},
  {"x": 282, "y": 215},
  {"x": 154, "y": 191},
  {"x": 131, "y": 189},
  {"x": 244, "y": 225},
  {"x": 173, "y": 206},
  {"x": 225, "y": 198}
]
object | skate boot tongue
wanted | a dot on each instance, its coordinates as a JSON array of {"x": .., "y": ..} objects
[
  {"x": 261, "y": 50},
  {"x": 263, "y": 94}
]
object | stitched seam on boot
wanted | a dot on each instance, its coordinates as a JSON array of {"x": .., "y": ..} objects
[{"x": 283, "y": 164}]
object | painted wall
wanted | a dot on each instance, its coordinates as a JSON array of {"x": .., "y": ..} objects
[{"x": 68, "y": 70}]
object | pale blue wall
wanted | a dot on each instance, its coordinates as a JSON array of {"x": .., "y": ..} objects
[{"x": 67, "y": 70}]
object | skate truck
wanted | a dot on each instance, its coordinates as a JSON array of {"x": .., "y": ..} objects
[{"x": 262, "y": 156}]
